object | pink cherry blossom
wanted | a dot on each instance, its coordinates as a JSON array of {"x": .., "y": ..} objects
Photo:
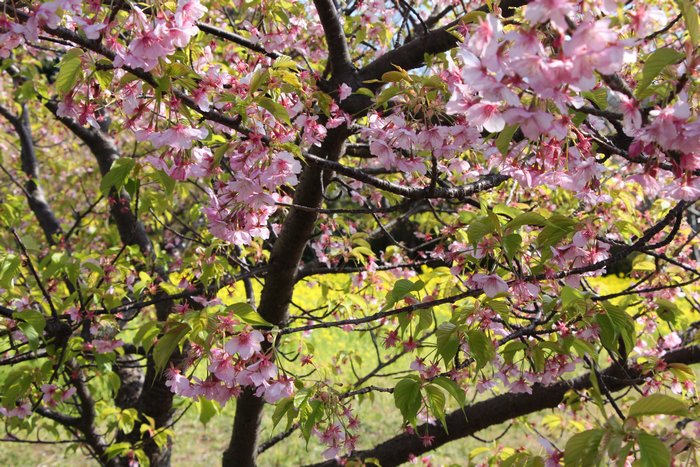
[
  {"x": 486, "y": 115},
  {"x": 178, "y": 137},
  {"x": 555, "y": 11},
  {"x": 279, "y": 389},
  {"x": 344, "y": 92},
  {"x": 492, "y": 284},
  {"x": 245, "y": 344}
]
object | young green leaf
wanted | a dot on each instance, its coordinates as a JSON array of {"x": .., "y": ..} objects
[
  {"x": 653, "y": 452},
  {"x": 275, "y": 108},
  {"x": 247, "y": 314},
  {"x": 655, "y": 404},
  {"x": 115, "y": 178},
  {"x": 167, "y": 344},
  {"x": 655, "y": 64},
  {"x": 692, "y": 23},
  {"x": 582, "y": 448},
  {"x": 407, "y": 399},
  {"x": 69, "y": 71}
]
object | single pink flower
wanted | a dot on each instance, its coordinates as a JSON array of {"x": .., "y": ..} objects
[
  {"x": 492, "y": 284},
  {"x": 245, "y": 344}
]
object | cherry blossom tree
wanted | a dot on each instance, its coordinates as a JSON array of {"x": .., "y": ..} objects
[{"x": 492, "y": 206}]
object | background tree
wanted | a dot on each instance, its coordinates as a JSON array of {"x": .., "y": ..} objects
[{"x": 230, "y": 202}]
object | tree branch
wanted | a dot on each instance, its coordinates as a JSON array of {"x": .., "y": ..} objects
[
  {"x": 412, "y": 54},
  {"x": 33, "y": 191},
  {"x": 338, "y": 53},
  {"x": 236, "y": 39},
  {"x": 500, "y": 409},
  {"x": 487, "y": 182}
]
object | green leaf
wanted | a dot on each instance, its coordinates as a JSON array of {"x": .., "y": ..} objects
[
  {"x": 407, "y": 399},
  {"x": 393, "y": 76},
  {"x": 310, "y": 414},
  {"x": 608, "y": 333},
  {"x": 9, "y": 270},
  {"x": 481, "y": 347},
  {"x": 388, "y": 93},
  {"x": 654, "y": 65},
  {"x": 512, "y": 348},
  {"x": 556, "y": 228},
  {"x": 104, "y": 78},
  {"x": 682, "y": 371},
  {"x": 167, "y": 344},
  {"x": 113, "y": 382},
  {"x": 523, "y": 459},
  {"x": 25, "y": 92},
  {"x": 582, "y": 348},
  {"x": 34, "y": 318},
  {"x": 667, "y": 310},
  {"x": 692, "y": 22},
  {"x": 275, "y": 108},
  {"x": 452, "y": 389},
  {"x": 69, "y": 71},
  {"x": 655, "y": 404},
  {"x": 260, "y": 77},
  {"x": 481, "y": 227},
  {"x": 284, "y": 62},
  {"x": 31, "y": 334},
  {"x": 582, "y": 448},
  {"x": 401, "y": 289},
  {"x": 281, "y": 409},
  {"x": 509, "y": 211},
  {"x": 512, "y": 244},
  {"x": 207, "y": 409},
  {"x": 437, "y": 401},
  {"x": 17, "y": 383},
  {"x": 425, "y": 320},
  {"x": 505, "y": 137},
  {"x": 247, "y": 314},
  {"x": 301, "y": 396},
  {"x": 117, "y": 449},
  {"x": 653, "y": 452},
  {"x": 447, "y": 341},
  {"x": 624, "y": 326},
  {"x": 147, "y": 334},
  {"x": 115, "y": 178},
  {"x": 599, "y": 97},
  {"x": 126, "y": 420},
  {"x": 571, "y": 298}
]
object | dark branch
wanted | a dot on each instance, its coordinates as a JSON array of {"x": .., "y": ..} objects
[
  {"x": 486, "y": 183},
  {"x": 338, "y": 53},
  {"x": 412, "y": 55},
  {"x": 502, "y": 408},
  {"x": 33, "y": 191}
]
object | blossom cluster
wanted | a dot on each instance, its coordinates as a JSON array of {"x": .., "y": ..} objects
[{"x": 239, "y": 364}]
